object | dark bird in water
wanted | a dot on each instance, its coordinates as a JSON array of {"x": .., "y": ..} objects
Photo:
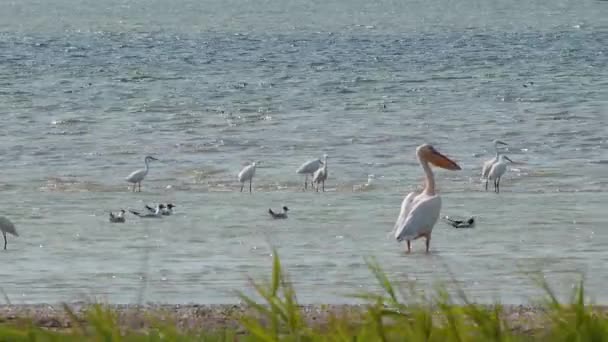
[
  {"x": 282, "y": 215},
  {"x": 119, "y": 217},
  {"x": 461, "y": 223},
  {"x": 166, "y": 211},
  {"x": 157, "y": 213}
]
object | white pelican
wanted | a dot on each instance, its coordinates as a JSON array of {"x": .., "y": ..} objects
[
  {"x": 321, "y": 174},
  {"x": 167, "y": 210},
  {"x": 488, "y": 164},
  {"x": 119, "y": 217},
  {"x": 6, "y": 226},
  {"x": 420, "y": 211},
  {"x": 309, "y": 168},
  {"x": 282, "y": 215},
  {"x": 498, "y": 170},
  {"x": 158, "y": 213},
  {"x": 137, "y": 176},
  {"x": 247, "y": 174}
]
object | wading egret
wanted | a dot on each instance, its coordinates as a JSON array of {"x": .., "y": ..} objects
[
  {"x": 6, "y": 226},
  {"x": 137, "y": 176},
  {"x": 488, "y": 164},
  {"x": 247, "y": 174},
  {"x": 321, "y": 174},
  {"x": 282, "y": 215},
  {"x": 420, "y": 211},
  {"x": 498, "y": 170},
  {"x": 309, "y": 168}
]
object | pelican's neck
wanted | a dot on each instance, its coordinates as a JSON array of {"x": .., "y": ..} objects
[{"x": 429, "y": 182}]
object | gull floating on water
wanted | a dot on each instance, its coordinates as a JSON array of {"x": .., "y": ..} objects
[
  {"x": 420, "y": 211},
  {"x": 6, "y": 226},
  {"x": 320, "y": 176},
  {"x": 157, "y": 213},
  {"x": 282, "y": 215},
  {"x": 118, "y": 217},
  {"x": 137, "y": 176},
  {"x": 485, "y": 170},
  {"x": 470, "y": 223},
  {"x": 309, "y": 168},
  {"x": 166, "y": 211}
]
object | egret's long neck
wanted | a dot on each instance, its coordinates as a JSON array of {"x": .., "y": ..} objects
[
  {"x": 147, "y": 166},
  {"x": 497, "y": 151},
  {"x": 429, "y": 182}
]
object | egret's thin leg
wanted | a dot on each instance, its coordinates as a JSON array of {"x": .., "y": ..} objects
[
  {"x": 486, "y": 184},
  {"x": 4, "y": 233},
  {"x": 139, "y": 186},
  {"x": 498, "y": 185},
  {"x": 428, "y": 242},
  {"x": 242, "y": 185},
  {"x": 250, "y": 181},
  {"x": 409, "y": 246},
  {"x": 305, "y": 182},
  {"x": 323, "y": 186}
]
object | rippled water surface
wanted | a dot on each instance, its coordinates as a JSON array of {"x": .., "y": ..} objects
[{"x": 88, "y": 88}]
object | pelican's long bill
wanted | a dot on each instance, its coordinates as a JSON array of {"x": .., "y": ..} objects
[{"x": 442, "y": 161}]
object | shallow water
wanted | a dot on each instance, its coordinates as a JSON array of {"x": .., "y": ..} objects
[{"x": 87, "y": 89}]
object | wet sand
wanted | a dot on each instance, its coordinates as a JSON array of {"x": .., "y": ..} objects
[{"x": 523, "y": 319}]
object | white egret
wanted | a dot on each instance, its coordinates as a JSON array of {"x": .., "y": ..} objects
[
  {"x": 488, "y": 164},
  {"x": 118, "y": 217},
  {"x": 498, "y": 170},
  {"x": 309, "y": 168},
  {"x": 137, "y": 176},
  {"x": 420, "y": 211},
  {"x": 321, "y": 174},
  {"x": 6, "y": 226},
  {"x": 158, "y": 213},
  {"x": 282, "y": 215},
  {"x": 247, "y": 174}
]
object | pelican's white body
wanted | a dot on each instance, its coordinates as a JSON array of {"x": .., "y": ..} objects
[{"x": 419, "y": 214}]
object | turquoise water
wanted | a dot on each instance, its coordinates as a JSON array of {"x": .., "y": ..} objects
[{"x": 87, "y": 89}]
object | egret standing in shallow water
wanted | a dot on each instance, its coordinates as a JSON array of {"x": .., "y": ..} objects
[
  {"x": 420, "y": 211},
  {"x": 6, "y": 226},
  {"x": 320, "y": 176},
  {"x": 247, "y": 174},
  {"x": 309, "y": 168},
  {"x": 137, "y": 176},
  {"x": 488, "y": 164},
  {"x": 498, "y": 170}
]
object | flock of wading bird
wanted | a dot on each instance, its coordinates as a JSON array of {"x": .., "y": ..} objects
[{"x": 420, "y": 210}]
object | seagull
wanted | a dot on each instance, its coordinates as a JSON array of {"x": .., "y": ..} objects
[
  {"x": 168, "y": 209},
  {"x": 119, "y": 217},
  {"x": 157, "y": 213},
  {"x": 6, "y": 226},
  {"x": 320, "y": 176},
  {"x": 420, "y": 211},
  {"x": 309, "y": 168},
  {"x": 282, "y": 215},
  {"x": 137, "y": 176},
  {"x": 247, "y": 174},
  {"x": 470, "y": 223}
]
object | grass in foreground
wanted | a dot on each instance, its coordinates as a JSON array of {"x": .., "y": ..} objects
[{"x": 385, "y": 317}]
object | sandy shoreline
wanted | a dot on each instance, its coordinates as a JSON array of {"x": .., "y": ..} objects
[{"x": 215, "y": 317}]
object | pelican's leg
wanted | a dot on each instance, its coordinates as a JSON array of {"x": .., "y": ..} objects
[
  {"x": 139, "y": 187},
  {"x": 498, "y": 185},
  {"x": 409, "y": 246},
  {"x": 242, "y": 185},
  {"x": 4, "y": 233},
  {"x": 305, "y": 181},
  {"x": 250, "y": 181},
  {"x": 427, "y": 241},
  {"x": 495, "y": 185},
  {"x": 486, "y": 184},
  {"x": 323, "y": 186}
]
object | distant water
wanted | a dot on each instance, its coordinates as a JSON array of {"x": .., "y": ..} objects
[{"x": 88, "y": 88}]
